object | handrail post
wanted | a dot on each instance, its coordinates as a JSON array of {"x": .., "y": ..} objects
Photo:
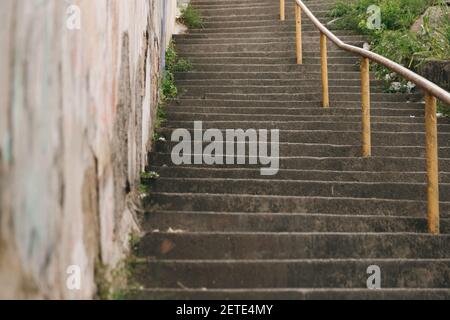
[
  {"x": 365, "y": 106},
  {"x": 432, "y": 164},
  {"x": 282, "y": 10},
  {"x": 324, "y": 67},
  {"x": 298, "y": 33}
]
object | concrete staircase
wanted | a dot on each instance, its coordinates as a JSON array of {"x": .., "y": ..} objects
[{"x": 311, "y": 231}]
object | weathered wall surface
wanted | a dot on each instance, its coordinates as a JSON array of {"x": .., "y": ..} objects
[{"x": 76, "y": 108}]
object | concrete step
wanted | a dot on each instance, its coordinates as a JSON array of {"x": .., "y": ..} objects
[
  {"x": 262, "y": 54},
  {"x": 267, "y": 82},
  {"x": 271, "y": 60},
  {"x": 232, "y": 26},
  {"x": 274, "y": 186},
  {"x": 309, "y": 125},
  {"x": 281, "y": 222},
  {"x": 335, "y": 106},
  {"x": 323, "y": 150},
  {"x": 191, "y": 91},
  {"x": 416, "y": 139},
  {"x": 220, "y": 68},
  {"x": 260, "y": 38},
  {"x": 307, "y": 75},
  {"x": 289, "y": 294},
  {"x": 297, "y": 174},
  {"x": 233, "y": 274},
  {"x": 349, "y": 114},
  {"x": 263, "y": 34},
  {"x": 199, "y": 113},
  {"x": 266, "y": 46},
  {"x": 254, "y": 11},
  {"x": 274, "y": 204},
  {"x": 268, "y": 246},
  {"x": 334, "y": 96}
]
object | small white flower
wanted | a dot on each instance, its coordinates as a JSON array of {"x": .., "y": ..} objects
[
  {"x": 410, "y": 86},
  {"x": 396, "y": 86}
]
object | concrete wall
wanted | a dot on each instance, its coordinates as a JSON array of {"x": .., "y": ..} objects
[{"x": 76, "y": 111}]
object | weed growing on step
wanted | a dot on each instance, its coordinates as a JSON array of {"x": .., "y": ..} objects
[
  {"x": 169, "y": 89},
  {"x": 173, "y": 64},
  {"x": 443, "y": 109},
  {"x": 156, "y": 136},
  {"x": 149, "y": 175},
  {"x": 160, "y": 116},
  {"x": 110, "y": 283},
  {"x": 191, "y": 17},
  {"x": 133, "y": 240},
  {"x": 143, "y": 188}
]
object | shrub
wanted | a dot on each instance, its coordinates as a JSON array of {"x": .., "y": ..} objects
[
  {"x": 173, "y": 64},
  {"x": 394, "y": 40},
  {"x": 191, "y": 17}
]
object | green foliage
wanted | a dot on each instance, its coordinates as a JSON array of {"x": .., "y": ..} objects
[
  {"x": 182, "y": 65},
  {"x": 191, "y": 17},
  {"x": 394, "y": 40},
  {"x": 169, "y": 89},
  {"x": 156, "y": 136},
  {"x": 133, "y": 240},
  {"x": 435, "y": 42},
  {"x": 395, "y": 14},
  {"x": 173, "y": 64},
  {"x": 150, "y": 175},
  {"x": 143, "y": 188},
  {"x": 160, "y": 115},
  {"x": 444, "y": 109},
  {"x": 399, "y": 46}
]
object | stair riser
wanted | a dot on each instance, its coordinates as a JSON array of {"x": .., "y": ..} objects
[
  {"x": 335, "y": 106},
  {"x": 248, "y": 82},
  {"x": 317, "y": 150},
  {"x": 346, "y": 96},
  {"x": 261, "y": 54},
  {"x": 268, "y": 68},
  {"x": 234, "y": 114},
  {"x": 270, "y": 61},
  {"x": 294, "y": 294},
  {"x": 345, "y": 274},
  {"x": 287, "y": 37},
  {"x": 203, "y": 90},
  {"x": 244, "y": 203},
  {"x": 258, "y": 34},
  {"x": 255, "y": 11},
  {"x": 313, "y": 76},
  {"x": 300, "y": 188},
  {"x": 354, "y": 138},
  {"x": 251, "y": 246},
  {"x": 310, "y": 125},
  {"x": 309, "y": 175},
  {"x": 267, "y": 25},
  {"x": 275, "y": 46},
  {"x": 220, "y": 222}
]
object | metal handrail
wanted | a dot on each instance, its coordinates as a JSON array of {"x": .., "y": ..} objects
[
  {"x": 432, "y": 91},
  {"x": 420, "y": 81}
]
